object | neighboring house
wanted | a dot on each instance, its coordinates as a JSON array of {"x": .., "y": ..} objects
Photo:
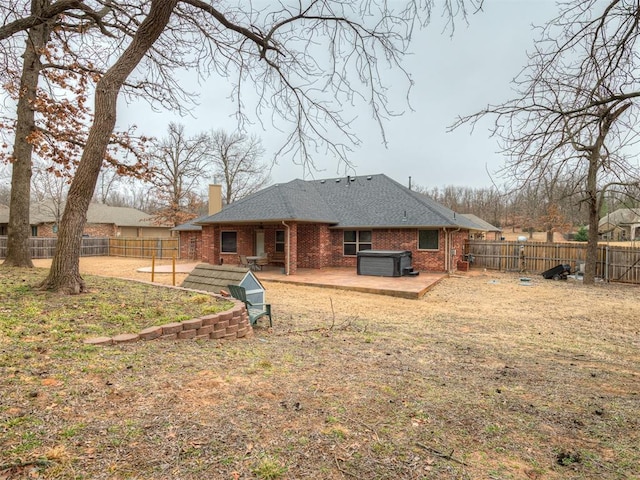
[
  {"x": 102, "y": 221},
  {"x": 325, "y": 223},
  {"x": 4, "y": 220},
  {"x": 487, "y": 231},
  {"x": 621, "y": 225}
]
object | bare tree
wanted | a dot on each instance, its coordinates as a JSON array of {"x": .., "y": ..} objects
[
  {"x": 69, "y": 46},
  {"x": 274, "y": 49},
  {"x": 574, "y": 116},
  {"x": 18, "y": 252},
  {"x": 236, "y": 158},
  {"x": 107, "y": 187},
  {"x": 61, "y": 59},
  {"x": 64, "y": 275},
  {"x": 50, "y": 191},
  {"x": 5, "y": 189},
  {"x": 179, "y": 165}
]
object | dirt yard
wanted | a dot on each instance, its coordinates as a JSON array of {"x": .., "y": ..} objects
[{"x": 486, "y": 377}]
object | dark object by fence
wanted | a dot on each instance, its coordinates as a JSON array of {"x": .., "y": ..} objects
[
  {"x": 385, "y": 263},
  {"x": 559, "y": 272}
]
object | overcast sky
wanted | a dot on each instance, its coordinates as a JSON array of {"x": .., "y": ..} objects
[{"x": 454, "y": 75}]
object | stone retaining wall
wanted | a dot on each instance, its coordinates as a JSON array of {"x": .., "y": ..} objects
[{"x": 231, "y": 324}]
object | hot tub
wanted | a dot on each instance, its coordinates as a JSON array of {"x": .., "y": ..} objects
[{"x": 384, "y": 263}]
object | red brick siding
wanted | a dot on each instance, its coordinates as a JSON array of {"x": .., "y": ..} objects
[
  {"x": 402, "y": 239},
  {"x": 293, "y": 246},
  {"x": 211, "y": 243},
  {"x": 314, "y": 246},
  {"x": 109, "y": 230},
  {"x": 209, "y": 253},
  {"x": 91, "y": 229},
  {"x": 458, "y": 240},
  {"x": 186, "y": 241},
  {"x": 318, "y": 246}
]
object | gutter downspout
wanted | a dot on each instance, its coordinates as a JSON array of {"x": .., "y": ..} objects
[
  {"x": 288, "y": 247},
  {"x": 446, "y": 249},
  {"x": 450, "y": 242}
]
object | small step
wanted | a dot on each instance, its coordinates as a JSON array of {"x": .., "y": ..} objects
[{"x": 409, "y": 272}]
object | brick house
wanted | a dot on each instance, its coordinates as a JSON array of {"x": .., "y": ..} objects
[
  {"x": 324, "y": 223},
  {"x": 620, "y": 225},
  {"x": 102, "y": 221}
]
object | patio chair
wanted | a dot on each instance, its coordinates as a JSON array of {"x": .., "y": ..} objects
[
  {"x": 261, "y": 262},
  {"x": 255, "y": 310},
  {"x": 243, "y": 261}
]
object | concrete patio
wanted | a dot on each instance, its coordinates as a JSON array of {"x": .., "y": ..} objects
[{"x": 348, "y": 279}]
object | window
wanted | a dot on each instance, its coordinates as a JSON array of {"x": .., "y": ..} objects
[
  {"x": 34, "y": 230},
  {"x": 428, "y": 239},
  {"x": 279, "y": 240},
  {"x": 229, "y": 242},
  {"x": 355, "y": 241}
]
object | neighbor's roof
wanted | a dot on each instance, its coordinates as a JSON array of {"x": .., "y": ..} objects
[
  {"x": 621, "y": 216},
  {"x": 482, "y": 225},
  {"x": 190, "y": 226},
  {"x": 45, "y": 212},
  {"x": 354, "y": 202}
]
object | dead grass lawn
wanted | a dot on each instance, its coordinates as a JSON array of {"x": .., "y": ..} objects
[{"x": 483, "y": 378}]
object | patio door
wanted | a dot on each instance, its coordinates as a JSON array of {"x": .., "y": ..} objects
[{"x": 260, "y": 243}]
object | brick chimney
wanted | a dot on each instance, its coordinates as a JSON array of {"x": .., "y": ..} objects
[{"x": 215, "y": 199}]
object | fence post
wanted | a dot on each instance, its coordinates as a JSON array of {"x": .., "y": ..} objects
[{"x": 153, "y": 266}]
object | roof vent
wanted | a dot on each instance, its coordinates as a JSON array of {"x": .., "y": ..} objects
[
  {"x": 369, "y": 177},
  {"x": 337, "y": 180},
  {"x": 353, "y": 179},
  {"x": 322, "y": 181}
]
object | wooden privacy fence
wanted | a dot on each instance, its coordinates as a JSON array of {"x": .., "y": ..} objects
[
  {"x": 143, "y": 247},
  {"x": 44, "y": 247},
  {"x": 615, "y": 263}
]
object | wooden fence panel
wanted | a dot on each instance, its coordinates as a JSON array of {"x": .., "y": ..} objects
[
  {"x": 615, "y": 264},
  {"x": 624, "y": 264},
  {"x": 143, "y": 247},
  {"x": 44, "y": 247}
]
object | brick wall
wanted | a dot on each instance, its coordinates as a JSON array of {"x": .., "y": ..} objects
[
  {"x": 209, "y": 253},
  {"x": 402, "y": 239},
  {"x": 190, "y": 245},
  {"x": 91, "y": 229},
  {"x": 211, "y": 243},
  {"x": 228, "y": 325},
  {"x": 318, "y": 246},
  {"x": 109, "y": 230},
  {"x": 314, "y": 246}
]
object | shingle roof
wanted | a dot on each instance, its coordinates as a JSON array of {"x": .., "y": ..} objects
[
  {"x": 213, "y": 278},
  {"x": 621, "y": 216},
  {"x": 482, "y": 225},
  {"x": 363, "y": 201},
  {"x": 190, "y": 226},
  {"x": 44, "y": 212}
]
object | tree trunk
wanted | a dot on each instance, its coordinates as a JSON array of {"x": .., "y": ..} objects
[
  {"x": 19, "y": 227},
  {"x": 64, "y": 275},
  {"x": 592, "y": 207},
  {"x": 550, "y": 235}
]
